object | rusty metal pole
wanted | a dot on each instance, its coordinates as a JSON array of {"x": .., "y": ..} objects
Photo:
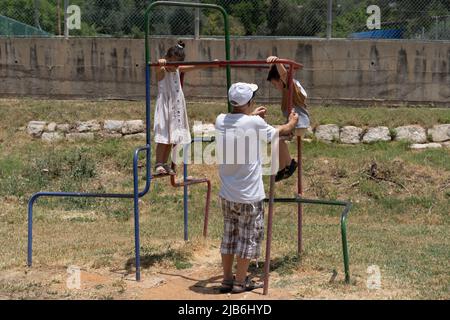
[
  {"x": 299, "y": 159},
  {"x": 208, "y": 201},
  {"x": 58, "y": 16},
  {"x": 300, "y": 194},
  {"x": 269, "y": 235}
]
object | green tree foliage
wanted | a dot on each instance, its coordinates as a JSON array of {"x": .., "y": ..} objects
[
  {"x": 251, "y": 13},
  {"x": 274, "y": 16},
  {"x": 24, "y": 11},
  {"x": 181, "y": 22},
  {"x": 212, "y": 24}
]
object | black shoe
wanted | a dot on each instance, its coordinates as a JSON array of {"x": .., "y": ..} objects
[
  {"x": 280, "y": 175},
  {"x": 289, "y": 171}
]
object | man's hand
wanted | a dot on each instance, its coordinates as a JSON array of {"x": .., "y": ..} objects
[
  {"x": 272, "y": 59},
  {"x": 260, "y": 111},
  {"x": 287, "y": 128},
  {"x": 293, "y": 117},
  {"x": 162, "y": 62}
]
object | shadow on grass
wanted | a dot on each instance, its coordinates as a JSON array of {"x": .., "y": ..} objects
[
  {"x": 212, "y": 285},
  {"x": 286, "y": 264},
  {"x": 178, "y": 258},
  {"x": 283, "y": 265}
]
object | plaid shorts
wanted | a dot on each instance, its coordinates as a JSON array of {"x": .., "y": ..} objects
[{"x": 243, "y": 228}]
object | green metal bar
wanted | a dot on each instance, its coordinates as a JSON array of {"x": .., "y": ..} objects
[
  {"x": 192, "y": 5},
  {"x": 310, "y": 201},
  {"x": 227, "y": 53},
  {"x": 344, "y": 242},
  {"x": 343, "y": 222}
]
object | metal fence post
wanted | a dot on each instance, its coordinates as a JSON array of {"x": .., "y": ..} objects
[
  {"x": 197, "y": 22},
  {"x": 37, "y": 14},
  {"x": 66, "y": 17},
  {"x": 437, "y": 27},
  {"x": 330, "y": 19},
  {"x": 58, "y": 17}
]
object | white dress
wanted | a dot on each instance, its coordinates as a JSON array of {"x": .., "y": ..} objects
[{"x": 171, "y": 121}]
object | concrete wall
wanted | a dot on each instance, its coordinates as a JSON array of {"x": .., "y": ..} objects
[{"x": 336, "y": 71}]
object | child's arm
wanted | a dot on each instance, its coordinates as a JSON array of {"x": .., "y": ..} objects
[
  {"x": 161, "y": 71},
  {"x": 299, "y": 93},
  {"x": 197, "y": 67},
  {"x": 280, "y": 67}
]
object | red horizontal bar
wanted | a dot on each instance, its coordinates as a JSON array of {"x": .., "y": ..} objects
[{"x": 233, "y": 63}]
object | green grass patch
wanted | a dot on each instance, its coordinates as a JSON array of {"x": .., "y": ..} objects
[{"x": 400, "y": 218}]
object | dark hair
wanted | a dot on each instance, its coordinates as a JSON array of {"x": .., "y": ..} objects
[
  {"x": 273, "y": 74},
  {"x": 177, "y": 51}
]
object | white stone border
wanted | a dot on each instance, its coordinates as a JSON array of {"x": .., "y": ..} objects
[{"x": 420, "y": 138}]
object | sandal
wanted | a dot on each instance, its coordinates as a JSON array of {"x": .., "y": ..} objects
[
  {"x": 226, "y": 286},
  {"x": 160, "y": 169},
  {"x": 247, "y": 285},
  {"x": 169, "y": 170}
]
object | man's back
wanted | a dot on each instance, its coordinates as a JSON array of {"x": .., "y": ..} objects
[{"x": 240, "y": 142}]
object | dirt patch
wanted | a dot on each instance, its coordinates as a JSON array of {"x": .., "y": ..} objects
[{"x": 200, "y": 282}]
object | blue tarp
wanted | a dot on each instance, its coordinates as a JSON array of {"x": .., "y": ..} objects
[
  {"x": 10, "y": 27},
  {"x": 379, "y": 34}
]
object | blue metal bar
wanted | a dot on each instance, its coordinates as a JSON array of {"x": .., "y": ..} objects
[
  {"x": 147, "y": 104},
  {"x": 38, "y": 195},
  {"x": 137, "y": 245}
]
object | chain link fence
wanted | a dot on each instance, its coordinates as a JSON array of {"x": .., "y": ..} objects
[{"x": 399, "y": 19}]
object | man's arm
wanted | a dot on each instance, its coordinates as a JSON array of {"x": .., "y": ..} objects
[
  {"x": 287, "y": 128},
  {"x": 260, "y": 111}
]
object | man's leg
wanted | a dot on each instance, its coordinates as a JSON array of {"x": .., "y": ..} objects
[
  {"x": 228, "y": 245},
  {"x": 241, "y": 269},
  {"x": 251, "y": 234},
  {"x": 227, "y": 264}
]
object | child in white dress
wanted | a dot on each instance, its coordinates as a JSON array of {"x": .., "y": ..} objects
[{"x": 171, "y": 122}]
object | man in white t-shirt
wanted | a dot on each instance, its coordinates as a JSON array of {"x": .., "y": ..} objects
[{"x": 240, "y": 137}]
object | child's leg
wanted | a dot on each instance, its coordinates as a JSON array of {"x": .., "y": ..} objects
[
  {"x": 285, "y": 157},
  {"x": 162, "y": 156},
  {"x": 163, "y": 152},
  {"x": 167, "y": 151},
  {"x": 160, "y": 153},
  {"x": 300, "y": 132}
]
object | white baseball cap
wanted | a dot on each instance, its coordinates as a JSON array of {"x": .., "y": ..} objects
[{"x": 241, "y": 93}]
